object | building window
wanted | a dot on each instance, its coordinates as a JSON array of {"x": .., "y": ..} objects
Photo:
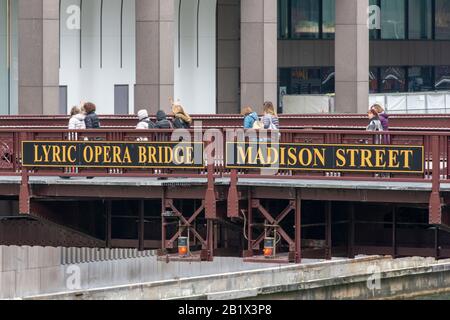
[
  {"x": 307, "y": 80},
  {"x": 328, "y": 19},
  {"x": 420, "y": 79},
  {"x": 283, "y": 19},
  {"x": 374, "y": 76},
  {"x": 305, "y": 16},
  {"x": 392, "y": 79},
  {"x": 374, "y": 34},
  {"x": 393, "y": 19},
  {"x": 328, "y": 81},
  {"x": 420, "y": 19},
  {"x": 442, "y": 19},
  {"x": 442, "y": 78}
]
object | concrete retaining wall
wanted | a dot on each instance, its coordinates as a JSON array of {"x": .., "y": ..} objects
[
  {"x": 29, "y": 271},
  {"x": 345, "y": 279}
]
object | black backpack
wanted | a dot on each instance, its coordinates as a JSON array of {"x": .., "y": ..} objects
[
  {"x": 151, "y": 125},
  {"x": 180, "y": 124}
]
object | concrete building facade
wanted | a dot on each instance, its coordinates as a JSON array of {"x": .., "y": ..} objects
[{"x": 216, "y": 55}]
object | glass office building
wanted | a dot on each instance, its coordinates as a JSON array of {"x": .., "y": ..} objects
[
  {"x": 408, "y": 26},
  {"x": 216, "y": 56}
]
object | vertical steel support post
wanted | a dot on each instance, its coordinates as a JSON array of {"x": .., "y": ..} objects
[
  {"x": 328, "y": 225},
  {"x": 163, "y": 222},
  {"x": 210, "y": 196},
  {"x": 394, "y": 232},
  {"x": 435, "y": 198},
  {"x": 249, "y": 252},
  {"x": 24, "y": 193},
  {"x": 233, "y": 196},
  {"x": 108, "y": 223},
  {"x": 437, "y": 248},
  {"x": 351, "y": 232},
  {"x": 141, "y": 224},
  {"x": 298, "y": 226}
]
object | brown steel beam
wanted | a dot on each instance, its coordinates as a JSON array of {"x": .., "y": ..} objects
[
  {"x": 435, "y": 197},
  {"x": 221, "y": 121},
  {"x": 277, "y": 221}
]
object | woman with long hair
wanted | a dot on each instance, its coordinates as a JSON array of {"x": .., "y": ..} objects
[
  {"x": 181, "y": 119},
  {"x": 270, "y": 118}
]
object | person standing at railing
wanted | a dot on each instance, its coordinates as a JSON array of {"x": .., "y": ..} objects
[
  {"x": 92, "y": 121},
  {"x": 77, "y": 118},
  {"x": 384, "y": 119},
  {"x": 181, "y": 119},
  {"x": 162, "y": 122},
  {"x": 76, "y": 122},
  {"x": 375, "y": 125},
  {"x": 144, "y": 121},
  {"x": 270, "y": 118},
  {"x": 250, "y": 118}
]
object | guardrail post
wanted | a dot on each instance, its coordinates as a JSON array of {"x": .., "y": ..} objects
[{"x": 435, "y": 205}]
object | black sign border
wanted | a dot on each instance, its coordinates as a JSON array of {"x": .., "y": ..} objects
[
  {"x": 326, "y": 170},
  {"x": 112, "y": 166}
]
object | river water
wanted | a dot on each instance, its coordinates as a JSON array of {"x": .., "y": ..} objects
[{"x": 442, "y": 296}]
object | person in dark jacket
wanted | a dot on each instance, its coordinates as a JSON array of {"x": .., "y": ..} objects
[
  {"x": 92, "y": 121},
  {"x": 182, "y": 120},
  {"x": 250, "y": 117},
  {"x": 162, "y": 122}
]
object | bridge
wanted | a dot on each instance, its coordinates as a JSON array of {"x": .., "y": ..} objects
[{"x": 226, "y": 210}]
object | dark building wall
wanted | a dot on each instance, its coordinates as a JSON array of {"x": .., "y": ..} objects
[
  {"x": 305, "y": 53},
  {"x": 320, "y": 53},
  {"x": 409, "y": 53},
  {"x": 228, "y": 56}
]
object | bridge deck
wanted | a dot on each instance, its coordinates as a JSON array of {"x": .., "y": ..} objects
[{"x": 243, "y": 182}]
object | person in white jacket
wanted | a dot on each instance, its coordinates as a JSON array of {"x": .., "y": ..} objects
[{"x": 76, "y": 121}]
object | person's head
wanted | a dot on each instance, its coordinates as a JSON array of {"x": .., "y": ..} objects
[
  {"x": 89, "y": 107},
  {"x": 246, "y": 111},
  {"x": 178, "y": 109},
  {"x": 372, "y": 114},
  {"x": 269, "y": 108},
  {"x": 161, "y": 115},
  {"x": 75, "y": 110},
  {"x": 142, "y": 115},
  {"x": 379, "y": 109}
]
